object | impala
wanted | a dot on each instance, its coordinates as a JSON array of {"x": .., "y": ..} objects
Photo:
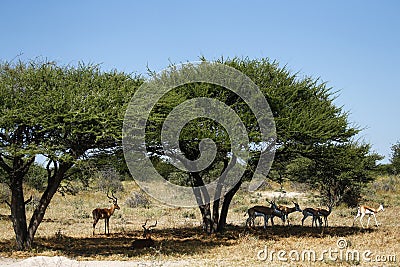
[
  {"x": 105, "y": 213},
  {"x": 366, "y": 210},
  {"x": 315, "y": 216},
  {"x": 263, "y": 211},
  {"x": 146, "y": 241},
  {"x": 276, "y": 213},
  {"x": 287, "y": 210},
  {"x": 325, "y": 213}
]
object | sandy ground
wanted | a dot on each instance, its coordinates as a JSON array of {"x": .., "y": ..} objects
[{"x": 43, "y": 261}]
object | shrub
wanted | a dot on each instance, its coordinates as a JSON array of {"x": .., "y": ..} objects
[
  {"x": 80, "y": 210},
  {"x": 33, "y": 204},
  {"x": 5, "y": 193},
  {"x": 189, "y": 214},
  {"x": 137, "y": 199},
  {"x": 36, "y": 177},
  {"x": 387, "y": 184},
  {"x": 108, "y": 180}
]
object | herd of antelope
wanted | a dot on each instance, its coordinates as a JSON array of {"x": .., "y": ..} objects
[{"x": 317, "y": 214}]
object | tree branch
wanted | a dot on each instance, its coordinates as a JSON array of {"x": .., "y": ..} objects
[
  {"x": 29, "y": 200},
  {"x": 25, "y": 167},
  {"x": 4, "y": 165}
]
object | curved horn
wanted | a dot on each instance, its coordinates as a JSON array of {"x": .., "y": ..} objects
[
  {"x": 115, "y": 198},
  {"x": 154, "y": 225},
  {"x": 144, "y": 225}
]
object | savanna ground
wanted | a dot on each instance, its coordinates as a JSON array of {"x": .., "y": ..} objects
[{"x": 67, "y": 231}]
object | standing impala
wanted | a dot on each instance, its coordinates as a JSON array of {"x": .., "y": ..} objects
[
  {"x": 105, "y": 213},
  {"x": 287, "y": 210},
  {"x": 315, "y": 216},
  {"x": 325, "y": 213},
  {"x": 263, "y": 211}
]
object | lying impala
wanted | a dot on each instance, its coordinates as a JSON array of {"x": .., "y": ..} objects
[
  {"x": 366, "y": 210},
  {"x": 146, "y": 241},
  {"x": 105, "y": 213}
]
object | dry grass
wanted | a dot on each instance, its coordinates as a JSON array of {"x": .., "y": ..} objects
[{"x": 67, "y": 231}]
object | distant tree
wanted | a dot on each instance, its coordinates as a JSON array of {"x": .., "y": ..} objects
[
  {"x": 36, "y": 177},
  {"x": 338, "y": 171},
  {"x": 64, "y": 113},
  {"x": 395, "y": 158}
]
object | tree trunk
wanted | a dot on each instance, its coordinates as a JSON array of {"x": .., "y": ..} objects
[
  {"x": 202, "y": 197},
  {"x": 24, "y": 235},
  {"x": 211, "y": 222},
  {"x": 39, "y": 212},
  {"x": 215, "y": 216},
  {"x": 16, "y": 174},
  {"x": 17, "y": 206},
  {"x": 225, "y": 206}
]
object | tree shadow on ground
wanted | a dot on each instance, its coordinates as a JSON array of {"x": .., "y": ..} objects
[
  {"x": 172, "y": 241},
  {"x": 278, "y": 231}
]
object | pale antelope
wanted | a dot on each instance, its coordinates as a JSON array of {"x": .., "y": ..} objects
[{"x": 366, "y": 210}]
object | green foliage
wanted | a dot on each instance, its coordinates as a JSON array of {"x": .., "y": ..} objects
[
  {"x": 314, "y": 138},
  {"x": 395, "y": 158},
  {"x": 338, "y": 171},
  {"x": 61, "y": 112},
  {"x": 36, "y": 177}
]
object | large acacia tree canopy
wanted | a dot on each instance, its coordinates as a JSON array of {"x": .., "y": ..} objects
[
  {"x": 61, "y": 111},
  {"x": 305, "y": 115}
]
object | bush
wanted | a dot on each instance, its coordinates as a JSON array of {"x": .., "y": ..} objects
[
  {"x": 33, "y": 204},
  {"x": 137, "y": 199},
  {"x": 36, "y": 177},
  {"x": 189, "y": 215},
  {"x": 178, "y": 178},
  {"x": 5, "y": 193},
  {"x": 387, "y": 184},
  {"x": 80, "y": 209},
  {"x": 108, "y": 180}
]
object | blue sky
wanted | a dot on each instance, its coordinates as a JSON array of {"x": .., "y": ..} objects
[{"x": 352, "y": 45}]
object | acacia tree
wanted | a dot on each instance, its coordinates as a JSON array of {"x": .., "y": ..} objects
[
  {"x": 338, "y": 171},
  {"x": 64, "y": 113},
  {"x": 305, "y": 116}
]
